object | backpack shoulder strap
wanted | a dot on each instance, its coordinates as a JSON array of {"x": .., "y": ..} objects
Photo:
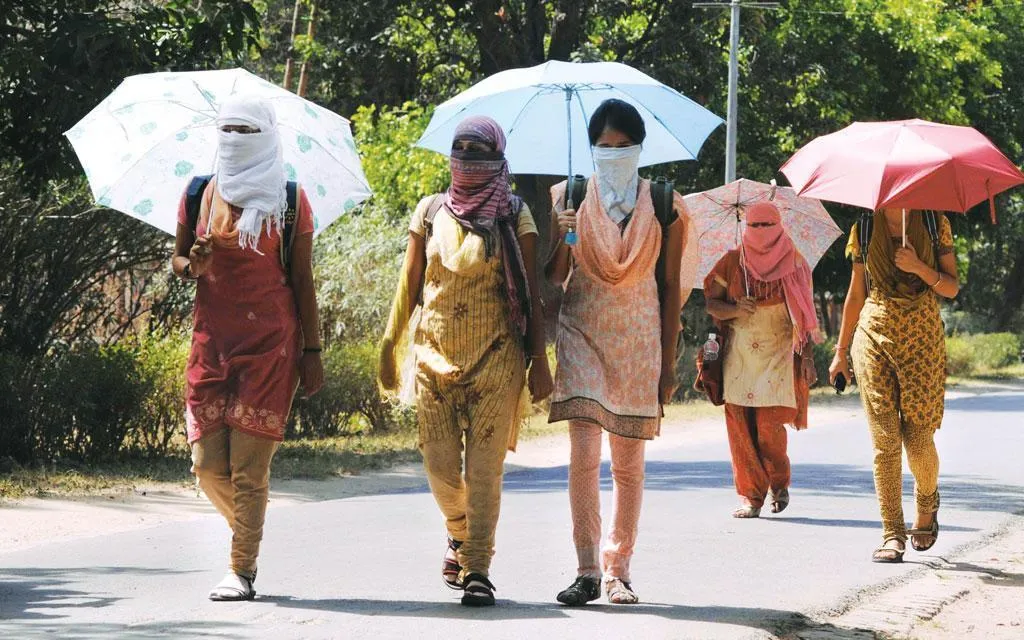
[
  {"x": 435, "y": 204},
  {"x": 290, "y": 216},
  {"x": 194, "y": 199},
  {"x": 576, "y": 190},
  {"x": 663, "y": 196},
  {"x": 931, "y": 222},
  {"x": 865, "y": 227}
]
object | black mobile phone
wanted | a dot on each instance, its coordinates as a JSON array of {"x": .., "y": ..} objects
[{"x": 840, "y": 383}]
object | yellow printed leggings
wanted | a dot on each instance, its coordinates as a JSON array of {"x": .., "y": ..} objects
[{"x": 899, "y": 358}]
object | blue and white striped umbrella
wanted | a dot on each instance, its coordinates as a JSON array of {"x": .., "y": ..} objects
[
  {"x": 144, "y": 142},
  {"x": 545, "y": 111}
]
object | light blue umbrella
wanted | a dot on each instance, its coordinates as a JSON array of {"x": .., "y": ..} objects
[{"x": 545, "y": 110}]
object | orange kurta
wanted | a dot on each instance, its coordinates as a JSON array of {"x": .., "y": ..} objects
[{"x": 756, "y": 427}]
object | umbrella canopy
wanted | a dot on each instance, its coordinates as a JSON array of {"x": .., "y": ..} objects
[
  {"x": 143, "y": 143},
  {"x": 545, "y": 111},
  {"x": 718, "y": 213},
  {"x": 907, "y": 164}
]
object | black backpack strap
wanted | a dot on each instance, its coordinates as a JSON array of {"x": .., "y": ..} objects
[
  {"x": 931, "y": 222},
  {"x": 576, "y": 189},
  {"x": 290, "y": 215},
  {"x": 194, "y": 199},
  {"x": 864, "y": 230},
  {"x": 435, "y": 204},
  {"x": 663, "y": 197}
]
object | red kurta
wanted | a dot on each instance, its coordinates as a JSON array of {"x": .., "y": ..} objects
[{"x": 247, "y": 339}]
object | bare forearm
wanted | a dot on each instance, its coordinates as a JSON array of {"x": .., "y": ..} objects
[
  {"x": 722, "y": 310},
  {"x": 940, "y": 282},
  {"x": 309, "y": 317},
  {"x": 670, "y": 327},
  {"x": 557, "y": 268},
  {"x": 851, "y": 315}
]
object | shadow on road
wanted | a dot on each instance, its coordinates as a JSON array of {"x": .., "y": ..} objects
[
  {"x": 109, "y": 631},
  {"x": 764, "y": 619},
  {"x": 853, "y": 524},
  {"x": 834, "y": 480},
  {"x": 986, "y": 400},
  {"x": 44, "y": 594}
]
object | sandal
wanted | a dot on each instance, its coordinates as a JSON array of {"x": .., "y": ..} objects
[
  {"x": 450, "y": 567},
  {"x": 479, "y": 592},
  {"x": 579, "y": 593},
  {"x": 620, "y": 592},
  {"x": 932, "y": 531},
  {"x": 780, "y": 500},
  {"x": 233, "y": 588},
  {"x": 888, "y": 555},
  {"x": 747, "y": 511}
]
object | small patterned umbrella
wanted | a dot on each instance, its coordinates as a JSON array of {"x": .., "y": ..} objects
[
  {"x": 718, "y": 214},
  {"x": 144, "y": 142}
]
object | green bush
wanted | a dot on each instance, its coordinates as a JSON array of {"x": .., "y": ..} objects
[
  {"x": 161, "y": 427},
  {"x": 89, "y": 402},
  {"x": 823, "y": 354},
  {"x": 968, "y": 354},
  {"x": 349, "y": 402},
  {"x": 959, "y": 356}
]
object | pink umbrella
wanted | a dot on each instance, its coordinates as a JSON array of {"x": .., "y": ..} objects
[
  {"x": 907, "y": 164},
  {"x": 718, "y": 214}
]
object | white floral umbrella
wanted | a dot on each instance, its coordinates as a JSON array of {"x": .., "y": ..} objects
[
  {"x": 719, "y": 212},
  {"x": 145, "y": 141}
]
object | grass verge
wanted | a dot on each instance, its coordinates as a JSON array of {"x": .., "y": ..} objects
[{"x": 334, "y": 457}]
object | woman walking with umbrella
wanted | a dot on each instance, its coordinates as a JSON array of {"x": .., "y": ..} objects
[
  {"x": 470, "y": 265},
  {"x": 761, "y": 293},
  {"x": 616, "y": 342},
  {"x": 892, "y": 327},
  {"x": 256, "y": 330}
]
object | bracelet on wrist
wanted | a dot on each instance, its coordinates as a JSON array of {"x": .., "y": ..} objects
[
  {"x": 840, "y": 349},
  {"x": 937, "y": 280}
]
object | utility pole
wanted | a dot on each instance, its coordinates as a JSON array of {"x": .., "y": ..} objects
[{"x": 734, "y": 74}]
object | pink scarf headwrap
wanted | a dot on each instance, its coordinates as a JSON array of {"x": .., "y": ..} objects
[
  {"x": 480, "y": 199},
  {"x": 770, "y": 256}
]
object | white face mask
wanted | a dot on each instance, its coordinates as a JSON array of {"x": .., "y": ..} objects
[{"x": 617, "y": 179}]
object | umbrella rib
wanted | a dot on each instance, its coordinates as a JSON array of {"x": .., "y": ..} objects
[
  {"x": 583, "y": 114},
  {"x": 515, "y": 122},
  {"x": 693, "y": 156},
  {"x": 362, "y": 181}
]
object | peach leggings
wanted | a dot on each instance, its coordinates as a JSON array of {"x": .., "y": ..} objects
[{"x": 585, "y": 502}]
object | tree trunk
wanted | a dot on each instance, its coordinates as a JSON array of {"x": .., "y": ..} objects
[
  {"x": 570, "y": 16},
  {"x": 311, "y": 34},
  {"x": 289, "y": 65}
]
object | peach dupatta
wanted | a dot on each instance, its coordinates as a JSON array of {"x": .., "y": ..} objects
[{"x": 608, "y": 254}]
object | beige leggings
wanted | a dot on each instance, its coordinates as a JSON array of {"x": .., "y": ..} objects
[{"x": 233, "y": 469}]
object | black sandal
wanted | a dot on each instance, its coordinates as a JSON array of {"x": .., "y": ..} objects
[
  {"x": 579, "y": 593},
  {"x": 932, "y": 531},
  {"x": 479, "y": 592},
  {"x": 450, "y": 567}
]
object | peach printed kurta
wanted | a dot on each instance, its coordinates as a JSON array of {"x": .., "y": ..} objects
[{"x": 608, "y": 343}]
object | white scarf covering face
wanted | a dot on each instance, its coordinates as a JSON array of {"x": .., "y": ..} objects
[
  {"x": 617, "y": 179},
  {"x": 250, "y": 169}
]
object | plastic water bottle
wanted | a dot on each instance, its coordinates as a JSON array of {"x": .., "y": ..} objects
[
  {"x": 711, "y": 347},
  {"x": 571, "y": 238}
]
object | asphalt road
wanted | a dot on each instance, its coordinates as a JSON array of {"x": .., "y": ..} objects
[{"x": 368, "y": 567}]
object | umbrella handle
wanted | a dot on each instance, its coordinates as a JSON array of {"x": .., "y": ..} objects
[{"x": 904, "y": 228}]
